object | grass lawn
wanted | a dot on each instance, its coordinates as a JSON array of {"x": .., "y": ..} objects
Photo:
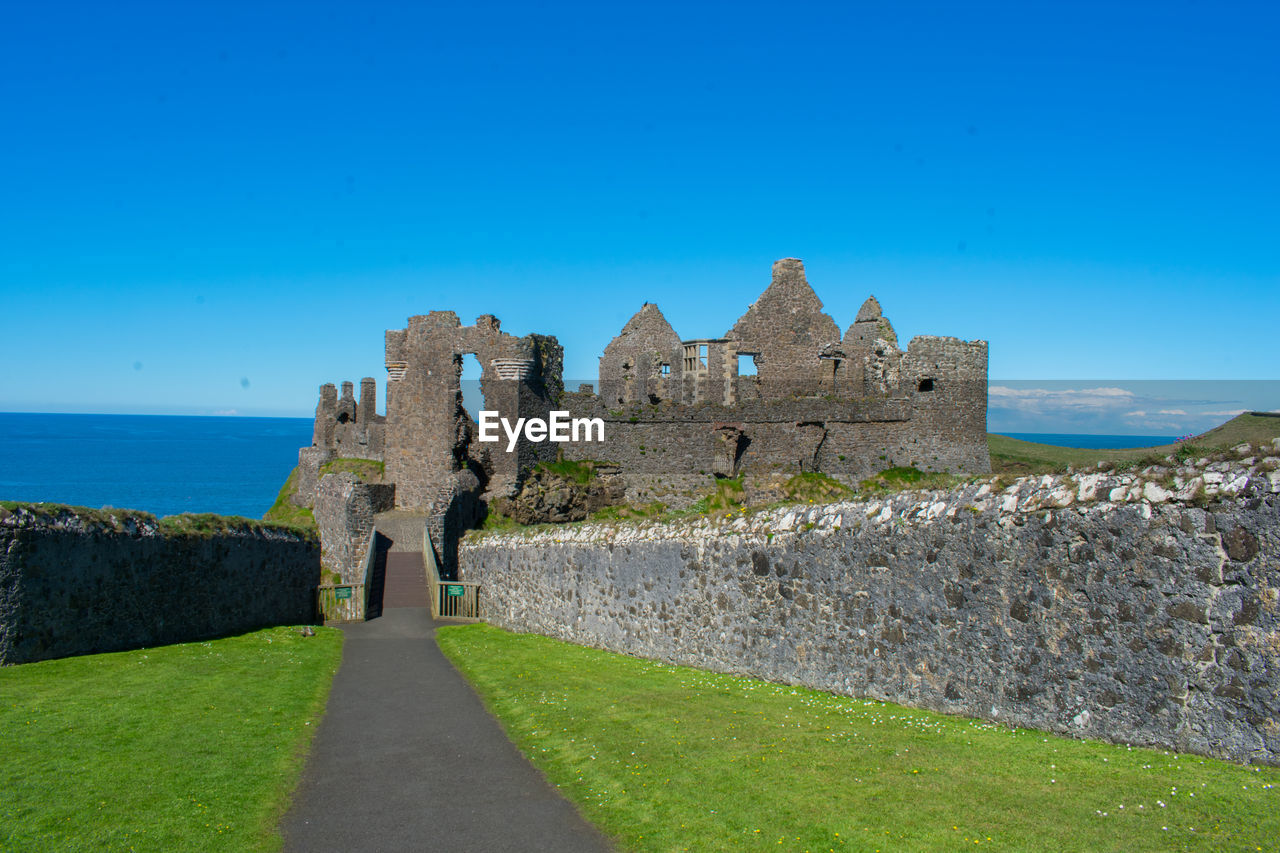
[
  {"x": 668, "y": 758},
  {"x": 188, "y": 747}
]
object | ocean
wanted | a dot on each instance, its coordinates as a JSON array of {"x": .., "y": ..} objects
[
  {"x": 158, "y": 463},
  {"x": 1094, "y": 442},
  {"x": 229, "y": 465}
]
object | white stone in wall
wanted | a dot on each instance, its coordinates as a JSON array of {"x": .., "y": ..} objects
[
  {"x": 1087, "y": 486},
  {"x": 1236, "y": 485},
  {"x": 1189, "y": 489},
  {"x": 1063, "y": 496}
]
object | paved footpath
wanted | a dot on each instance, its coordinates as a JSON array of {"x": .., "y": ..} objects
[{"x": 407, "y": 758}]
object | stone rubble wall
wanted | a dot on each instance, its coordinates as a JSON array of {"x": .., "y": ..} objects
[
  {"x": 344, "y": 513},
  {"x": 1139, "y": 607},
  {"x": 75, "y": 581},
  {"x": 666, "y": 449}
]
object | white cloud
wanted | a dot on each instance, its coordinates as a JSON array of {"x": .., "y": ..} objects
[
  {"x": 227, "y": 412},
  {"x": 1044, "y": 400}
]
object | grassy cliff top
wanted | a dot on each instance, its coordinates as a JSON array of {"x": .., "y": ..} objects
[{"x": 1014, "y": 456}]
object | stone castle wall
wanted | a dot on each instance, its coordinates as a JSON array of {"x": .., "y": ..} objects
[
  {"x": 430, "y": 435},
  {"x": 344, "y": 513},
  {"x": 848, "y": 406},
  {"x": 676, "y": 411},
  {"x": 1137, "y": 608},
  {"x": 76, "y": 582}
]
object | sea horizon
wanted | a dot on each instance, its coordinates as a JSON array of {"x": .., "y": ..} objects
[
  {"x": 225, "y": 464},
  {"x": 162, "y": 464}
]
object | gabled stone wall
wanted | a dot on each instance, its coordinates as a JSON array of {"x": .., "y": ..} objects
[{"x": 845, "y": 406}]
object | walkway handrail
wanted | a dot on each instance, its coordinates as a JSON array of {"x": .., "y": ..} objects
[
  {"x": 370, "y": 557},
  {"x": 449, "y": 599},
  {"x": 432, "y": 570}
]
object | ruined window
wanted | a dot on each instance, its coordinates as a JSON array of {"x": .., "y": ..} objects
[
  {"x": 746, "y": 364},
  {"x": 695, "y": 358},
  {"x": 666, "y": 369},
  {"x": 926, "y": 385}
]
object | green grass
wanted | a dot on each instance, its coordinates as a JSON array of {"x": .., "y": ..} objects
[
  {"x": 815, "y": 487},
  {"x": 284, "y": 511},
  {"x": 629, "y": 512},
  {"x": 366, "y": 470},
  {"x": 729, "y": 493},
  {"x": 903, "y": 478},
  {"x": 1016, "y": 457},
  {"x": 111, "y": 519},
  {"x": 496, "y": 522},
  {"x": 211, "y": 524},
  {"x": 667, "y": 758},
  {"x": 580, "y": 472},
  {"x": 183, "y": 524},
  {"x": 187, "y": 747}
]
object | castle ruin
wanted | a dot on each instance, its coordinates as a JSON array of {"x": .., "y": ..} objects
[{"x": 781, "y": 392}]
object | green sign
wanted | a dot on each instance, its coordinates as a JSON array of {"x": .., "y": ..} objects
[
  {"x": 454, "y": 590},
  {"x": 342, "y": 592}
]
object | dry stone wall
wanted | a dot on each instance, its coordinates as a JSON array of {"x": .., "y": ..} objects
[
  {"x": 1140, "y": 607},
  {"x": 76, "y": 582}
]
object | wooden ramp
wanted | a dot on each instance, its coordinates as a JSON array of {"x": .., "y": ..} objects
[{"x": 405, "y": 584}]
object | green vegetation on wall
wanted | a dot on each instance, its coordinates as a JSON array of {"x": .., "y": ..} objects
[
  {"x": 815, "y": 487},
  {"x": 183, "y": 524},
  {"x": 580, "y": 472},
  {"x": 729, "y": 493}
]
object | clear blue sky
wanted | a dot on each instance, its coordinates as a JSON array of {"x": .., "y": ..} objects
[{"x": 218, "y": 206}]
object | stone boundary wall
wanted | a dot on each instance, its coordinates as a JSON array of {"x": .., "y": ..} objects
[
  {"x": 1140, "y": 608},
  {"x": 344, "y": 513},
  {"x": 75, "y": 581}
]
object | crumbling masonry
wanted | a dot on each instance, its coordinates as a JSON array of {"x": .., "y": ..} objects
[{"x": 781, "y": 392}]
